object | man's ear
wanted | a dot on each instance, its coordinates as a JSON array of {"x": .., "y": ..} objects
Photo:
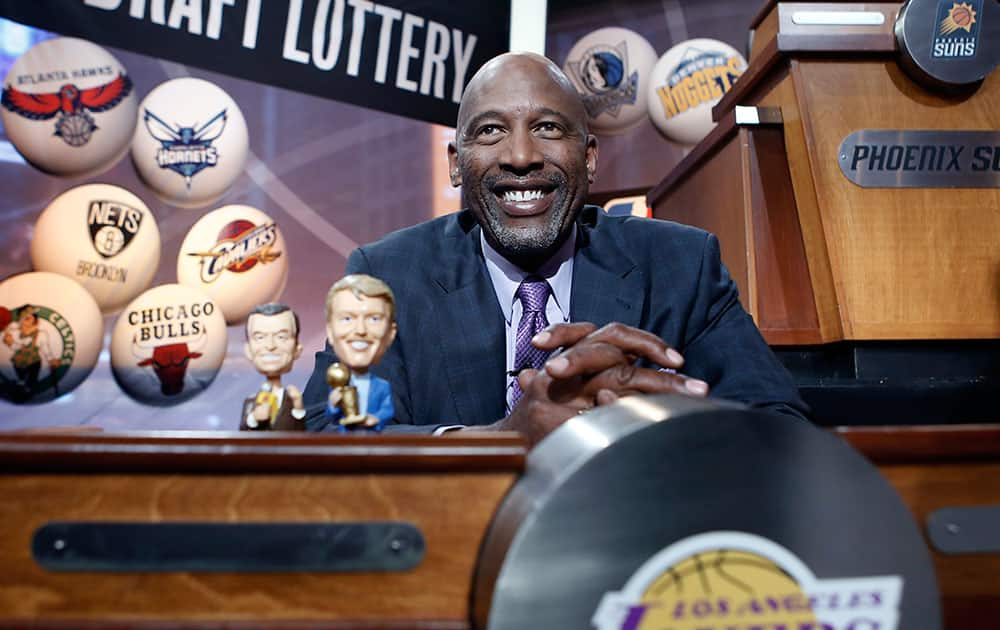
[
  {"x": 453, "y": 173},
  {"x": 591, "y": 157},
  {"x": 298, "y": 351},
  {"x": 246, "y": 351}
]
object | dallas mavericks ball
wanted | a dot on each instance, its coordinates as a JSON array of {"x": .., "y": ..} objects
[
  {"x": 168, "y": 344},
  {"x": 68, "y": 107},
  {"x": 190, "y": 143},
  {"x": 237, "y": 256},
  {"x": 610, "y": 68},
  {"x": 687, "y": 82},
  {"x": 102, "y": 236},
  {"x": 50, "y": 336}
]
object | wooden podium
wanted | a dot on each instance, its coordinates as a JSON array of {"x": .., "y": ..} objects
[
  {"x": 817, "y": 258},
  {"x": 449, "y": 488}
]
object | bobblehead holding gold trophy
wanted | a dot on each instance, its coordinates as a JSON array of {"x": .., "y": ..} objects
[{"x": 360, "y": 326}]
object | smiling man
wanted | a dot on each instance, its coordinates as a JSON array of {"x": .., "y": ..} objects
[
  {"x": 272, "y": 346},
  {"x": 360, "y": 326},
  {"x": 487, "y": 296}
]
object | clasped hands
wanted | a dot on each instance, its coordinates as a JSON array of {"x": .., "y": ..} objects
[{"x": 596, "y": 366}]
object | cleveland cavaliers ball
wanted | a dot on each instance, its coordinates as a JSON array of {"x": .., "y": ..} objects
[
  {"x": 168, "y": 344},
  {"x": 687, "y": 82},
  {"x": 69, "y": 107},
  {"x": 50, "y": 336},
  {"x": 237, "y": 256},
  {"x": 610, "y": 68},
  {"x": 102, "y": 236},
  {"x": 190, "y": 143}
]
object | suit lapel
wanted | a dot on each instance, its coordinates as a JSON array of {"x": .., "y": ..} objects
[
  {"x": 607, "y": 286},
  {"x": 472, "y": 335}
]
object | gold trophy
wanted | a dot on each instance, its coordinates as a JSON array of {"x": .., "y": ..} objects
[{"x": 338, "y": 376}]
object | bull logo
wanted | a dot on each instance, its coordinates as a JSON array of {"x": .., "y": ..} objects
[
  {"x": 169, "y": 361},
  {"x": 186, "y": 150},
  {"x": 71, "y": 104}
]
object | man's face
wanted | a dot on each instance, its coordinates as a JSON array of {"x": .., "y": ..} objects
[
  {"x": 28, "y": 321},
  {"x": 271, "y": 344},
  {"x": 360, "y": 329},
  {"x": 523, "y": 158}
]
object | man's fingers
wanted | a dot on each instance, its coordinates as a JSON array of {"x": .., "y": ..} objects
[
  {"x": 562, "y": 335},
  {"x": 586, "y": 358},
  {"x": 638, "y": 343},
  {"x": 624, "y": 380}
]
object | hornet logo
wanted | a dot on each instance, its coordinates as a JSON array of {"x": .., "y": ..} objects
[
  {"x": 71, "y": 104},
  {"x": 604, "y": 73},
  {"x": 186, "y": 150}
]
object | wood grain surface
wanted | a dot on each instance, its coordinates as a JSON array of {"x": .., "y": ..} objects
[{"x": 451, "y": 509}]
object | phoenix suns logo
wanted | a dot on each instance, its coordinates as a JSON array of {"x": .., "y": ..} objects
[
  {"x": 604, "y": 73},
  {"x": 240, "y": 246},
  {"x": 112, "y": 226},
  {"x": 38, "y": 346},
  {"x": 724, "y": 580},
  {"x": 957, "y": 33},
  {"x": 186, "y": 150},
  {"x": 70, "y": 106}
]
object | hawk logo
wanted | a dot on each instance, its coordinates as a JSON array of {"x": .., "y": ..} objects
[
  {"x": 34, "y": 336},
  {"x": 112, "y": 226},
  {"x": 71, "y": 104},
  {"x": 186, "y": 150},
  {"x": 241, "y": 245},
  {"x": 604, "y": 72},
  {"x": 957, "y": 33}
]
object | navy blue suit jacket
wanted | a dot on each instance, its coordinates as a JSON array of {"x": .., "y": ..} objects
[{"x": 447, "y": 365}]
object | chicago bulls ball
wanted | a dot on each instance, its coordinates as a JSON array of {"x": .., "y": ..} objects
[
  {"x": 168, "y": 345},
  {"x": 69, "y": 107}
]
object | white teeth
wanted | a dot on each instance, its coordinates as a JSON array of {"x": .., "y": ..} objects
[
  {"x": 360, "y": 345},
  {"x": 522, "y": 195}
]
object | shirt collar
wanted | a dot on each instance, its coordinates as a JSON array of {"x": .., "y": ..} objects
[{"x": 506, "y": 276}]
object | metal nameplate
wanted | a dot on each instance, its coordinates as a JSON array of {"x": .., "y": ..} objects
[
  {"x": 235, "y": 547},
  {"x": 905, "y": 158},
  {"x": 974, "y": 529}
]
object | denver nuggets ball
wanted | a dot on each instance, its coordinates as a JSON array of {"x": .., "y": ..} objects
[
  {"x": 237, "y": 256},
  {"x": 190, "y": 143},
  {"x": 69, "y": 107},
  {"x": 102, "y": 236},
  {"x": 168, "y": 344},
  {"x": 50, "y": 336},
  {"x": 687, "y": 82},
  {"x": 610, "y": 68}
]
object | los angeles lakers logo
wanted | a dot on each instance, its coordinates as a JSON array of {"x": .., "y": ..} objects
[
  {"x": 241, "y": 245},
  {"x": 730, "y": 580},
  {"x": 112, "y": 226},
  {"x": 39, "y": 346}
]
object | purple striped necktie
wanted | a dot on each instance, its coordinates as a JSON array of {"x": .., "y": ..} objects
[{"x": 534, "y": 295}]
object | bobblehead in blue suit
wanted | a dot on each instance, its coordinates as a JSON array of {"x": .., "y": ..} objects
[
  {"x": 361, "y": 326},
  {"x": 636, "y": 305}
]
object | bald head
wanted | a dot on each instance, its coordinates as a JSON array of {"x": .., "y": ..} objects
[
  {"x": 523, "y": 156},
  {"x": 512, "y": 66}
]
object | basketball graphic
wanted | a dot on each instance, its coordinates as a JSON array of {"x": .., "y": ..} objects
[
  {"x": 102, "y": 236},
  {"x": 740, "y": 580},
  {"x": 69, "y": 107}
]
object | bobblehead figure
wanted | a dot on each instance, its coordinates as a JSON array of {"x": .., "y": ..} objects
[
  {"x": 360, "y": 325},
  {"x": 272, "y": 346}
]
